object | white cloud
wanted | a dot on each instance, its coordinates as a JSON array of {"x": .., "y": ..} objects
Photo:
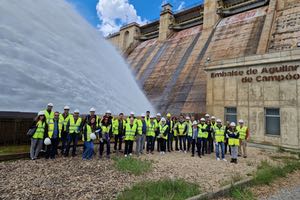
[
  {"x": 115, "y": 13},
  {"x": 181, "y": 6}
]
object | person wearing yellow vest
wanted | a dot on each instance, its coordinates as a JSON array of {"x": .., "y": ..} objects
[
  {"x": 141, "y": 134},
  {"x": 170, "y": 133},
  {"x": 49, "y": 114},
  {"x": 93, "y": 115},
  {"x": 64, "y": 118},
  {"x": 219, "y": 139},
  {"x": 163, "y": 136},
  {"x": 74, "y": 127},
  {"x": 55, "y": 127},
  {"x": 147, "y": 118},
  {"x": 88, "y": 128},
  {"x": 37, "y": 138},
  {"x": 118, "y": 131},
  {"x": 212, "y": 124},
  {"x": 182, "y": 132},
  {"x": 233, "y": 141},
  {"x": 244, "y": 137},
  {"x": 131, "y": 116},
  {"x": 104, "y": 136},
  {"x": 175, "y": 133},
  {"x": 189, "y": 132},
  {"x": 130, "y": 132},
  {"x": 202, "y": 135},
  {"x": 151, "y": 126},
  {"x": 157, "y": 132}
]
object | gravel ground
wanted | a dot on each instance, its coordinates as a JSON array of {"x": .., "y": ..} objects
[
  {"x": 286, "y": 188},
  {"x": 66, "y": 178}
]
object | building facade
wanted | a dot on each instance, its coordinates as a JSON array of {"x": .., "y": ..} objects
[{"x": 235, "y": 59}]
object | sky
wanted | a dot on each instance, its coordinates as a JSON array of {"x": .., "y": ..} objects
[{"x": 109, "y": 15}]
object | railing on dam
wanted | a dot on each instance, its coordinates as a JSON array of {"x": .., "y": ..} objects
[{"x": 14, "y": 126}]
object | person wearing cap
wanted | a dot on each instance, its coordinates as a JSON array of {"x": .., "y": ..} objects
[
  {"x": 157, "y": 132},
  {"x": 219, "y": 138},
  {"x": 37, "y": 139},
  {"x": 182, "y": 132},
  {"x": 130, "y": 132},
  {"x": 55, "y": 128},
  {"x": 169, "y": 122},
  {"x": 118, "y": 131},
  {"x": 141, "y": 136},
  {"x": 64, "y": 118},
  {"x": 202, "y": 136},
  {"x": 74, "y": 127},
  {"x": 189, "y": 132},
  {"x": 88, "y": 128},
  {"x": 151, "y": 126},
  {"x": 104, "y": 136},
  {"x": 233, "y": 141},
  {"x": 163, "y": 135},
  {"x": 244, "y": 137},
  {"x": 49, "y": 114},
  {"x": 207, "y": 116},
  {"x": 195, "y": 132}
]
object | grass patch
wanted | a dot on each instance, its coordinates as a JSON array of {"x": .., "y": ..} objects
[
  {"x": 14, "y": 149},
  {"x": 241, "y": 193},
  {"x": 162, "y": 190},
  {"x": 132, "y": 165},
  {"x": 267, "y": 173}
]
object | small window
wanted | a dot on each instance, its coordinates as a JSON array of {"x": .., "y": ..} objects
[
  {"x": 272, "y": 117},
  {"x": 230, "y": 114}
]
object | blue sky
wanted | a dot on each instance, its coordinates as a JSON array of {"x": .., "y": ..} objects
[{"x": 109, "y": 15}]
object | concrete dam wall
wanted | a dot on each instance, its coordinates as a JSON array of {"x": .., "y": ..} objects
[{"x": 169, "y": 61}]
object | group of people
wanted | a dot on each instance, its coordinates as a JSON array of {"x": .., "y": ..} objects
[{"x": 199, "y": 137}]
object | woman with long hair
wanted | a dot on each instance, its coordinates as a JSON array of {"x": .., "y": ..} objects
[{"x": 37, "y": 138}]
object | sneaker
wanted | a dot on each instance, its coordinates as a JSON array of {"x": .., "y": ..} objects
[
  {"x": 164, "y": 153},
  {"x": 218, "y": 159},
  {"x": 130, "y": 154},
  {"x": 193, "y": 155},
  {"x": 245, "y": 156},
  {"x": 160, "y": 152},
  {"x": 125, "y": 155},
  {"x": 224, "y": 160},
  {"x": 184, "y": 151}
]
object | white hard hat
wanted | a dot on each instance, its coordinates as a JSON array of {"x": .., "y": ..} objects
[
  {"x": 47, "y": 141},
  {"x": 93, "y": 136},
  {"x": 158, "y": 114},
  {"x": 202, "y": 120},
  {"x": 195, "y": 122},
  {"x": 213, "y": 117},
  {"x": 163, "y": 119},
  {"x": 188, "y": 118},
  {"x": 76, "y": 111},
  {"x": 50, "y": 104},
  {"x": 41, "y": 113},
  {"x": 232, "y": 124},
  {"x": 108, "y": 112},
  {"x": 131, "y": 113},
  {"x": 219, "y": 121},
  {"x": 92, "y": 110},
  {"x": 66, "y": 108},
  {"x": 241, "y": 121},
  {"x": 152, "y": 117},
  {"x": 143, "y": 115},
  {"x": 207, "y": 115}
]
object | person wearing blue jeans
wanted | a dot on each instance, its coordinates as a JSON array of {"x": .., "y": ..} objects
[
  {"x": 88, "y": 142},
  {"x": 219, "y": 138}
]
